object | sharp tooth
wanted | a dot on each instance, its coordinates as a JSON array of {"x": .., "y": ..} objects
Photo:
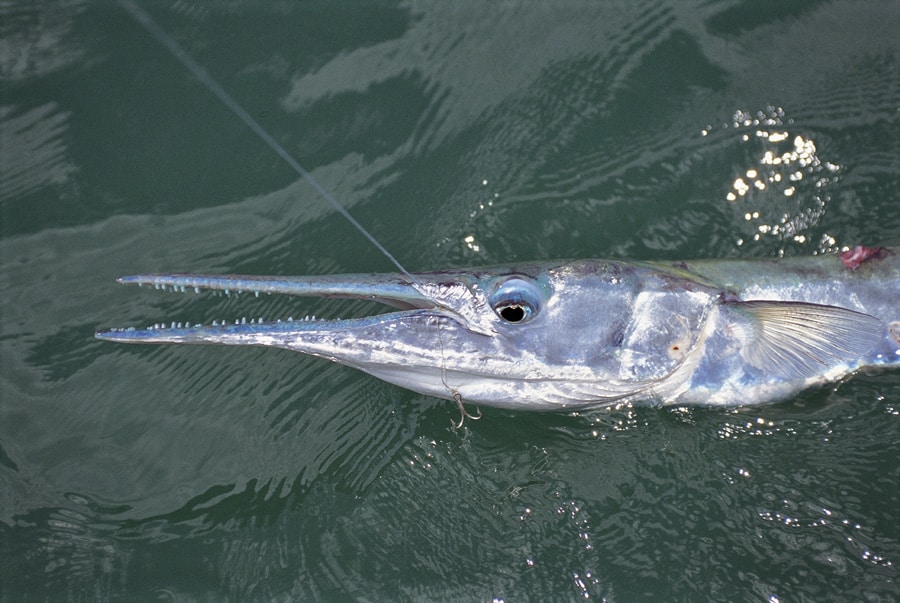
[
  {"x": 196, "y": 289},
  {"x": 256, "y": 293}
]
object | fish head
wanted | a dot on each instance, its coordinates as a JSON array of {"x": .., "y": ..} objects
[{"x": 541, "y": 336}]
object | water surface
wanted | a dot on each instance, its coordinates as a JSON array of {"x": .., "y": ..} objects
[{"x": 470, "y": 134}]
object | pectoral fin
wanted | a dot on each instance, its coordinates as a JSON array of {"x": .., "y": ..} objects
[{"x": 801, "y": 340}]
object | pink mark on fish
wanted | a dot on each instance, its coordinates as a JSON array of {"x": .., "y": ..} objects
[{"x": 853, "y": 258}]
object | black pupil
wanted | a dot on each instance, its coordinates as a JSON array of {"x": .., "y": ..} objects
[{"x": 513, "y": 313}]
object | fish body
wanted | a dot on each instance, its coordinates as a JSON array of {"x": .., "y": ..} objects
[{"x": 580, "y": 334}]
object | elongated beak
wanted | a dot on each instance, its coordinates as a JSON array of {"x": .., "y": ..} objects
[
  {"x": 389, "y": 289},
  {"x": 404, "y": 347}
]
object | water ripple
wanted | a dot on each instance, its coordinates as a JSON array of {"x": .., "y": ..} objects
[
  {"x": 35, "y": 38},
  {"x": 34, "y": 149}
]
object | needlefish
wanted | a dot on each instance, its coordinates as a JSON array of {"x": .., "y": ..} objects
[{"x": 582, "y": 334}]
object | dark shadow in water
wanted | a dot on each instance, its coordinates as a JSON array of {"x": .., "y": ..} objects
[{"x": 751, "y": 14}]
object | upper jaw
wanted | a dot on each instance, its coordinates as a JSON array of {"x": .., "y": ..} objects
[{"x": 391, "y": 289}]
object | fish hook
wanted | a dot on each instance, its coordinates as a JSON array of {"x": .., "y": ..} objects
[{"x": 463, "y": 413}]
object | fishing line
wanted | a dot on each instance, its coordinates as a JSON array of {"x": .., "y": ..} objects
[{"x": 147, "y": 22}]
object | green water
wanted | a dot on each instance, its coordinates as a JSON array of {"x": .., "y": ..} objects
[{"x": 459, "y": 134}]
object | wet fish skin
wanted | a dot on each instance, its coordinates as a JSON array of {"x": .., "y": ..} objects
[{"x": 579, "y": 334}]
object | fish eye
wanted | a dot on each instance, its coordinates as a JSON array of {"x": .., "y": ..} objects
[{"x": 516, "y": 300}]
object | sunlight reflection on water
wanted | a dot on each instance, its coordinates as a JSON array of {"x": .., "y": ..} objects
[{"x": 785, "y": 191}]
